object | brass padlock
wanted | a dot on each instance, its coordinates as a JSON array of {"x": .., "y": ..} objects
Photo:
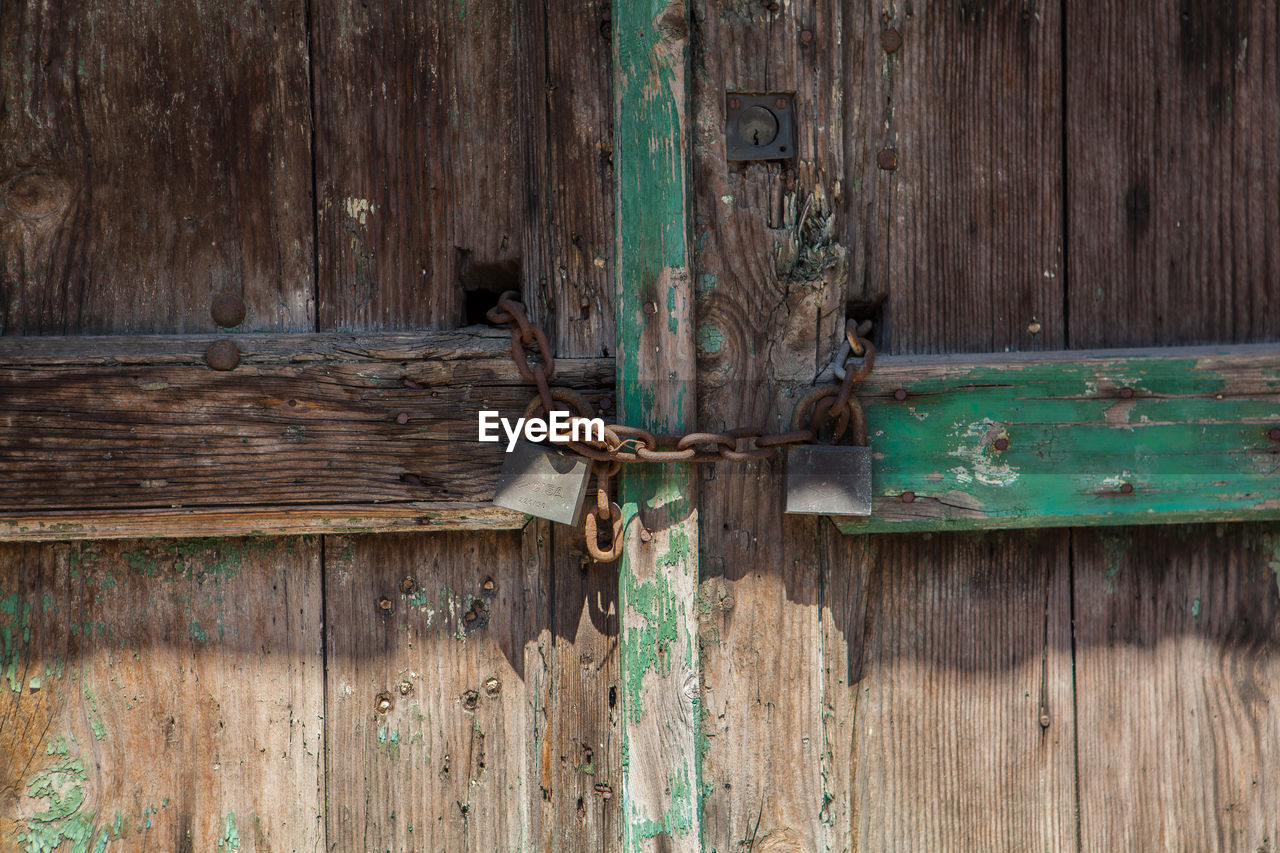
[
  {"x": 545, "y": 482},
  {"x": 830, "y": 479}
]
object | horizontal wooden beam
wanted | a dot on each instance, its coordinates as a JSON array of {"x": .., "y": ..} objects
[
  {"x": 1073, "y": 438},
  {"x": 137, "y": 436}
]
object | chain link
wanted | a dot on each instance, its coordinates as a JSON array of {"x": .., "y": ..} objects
[{"x": 828, "y": 410}]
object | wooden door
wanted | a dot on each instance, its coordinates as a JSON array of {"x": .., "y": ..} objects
[{"x": 329, "y": 640}]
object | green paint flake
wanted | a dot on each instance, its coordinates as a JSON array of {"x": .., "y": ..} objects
[
  {"x": 389, "y": 741},
  {"x": 230, "y": 839},
  {"x": 62, "y": 787},
  {"x": 13, "y": 630},
  {"x": 710, "y": 339}
]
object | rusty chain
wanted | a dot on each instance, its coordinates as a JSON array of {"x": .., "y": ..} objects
[{"x": 825, "y": 414}]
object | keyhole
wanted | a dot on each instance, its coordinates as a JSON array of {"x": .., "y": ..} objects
[{"x": 758, "y": 125}]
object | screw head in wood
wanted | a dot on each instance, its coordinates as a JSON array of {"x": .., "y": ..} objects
[
  {"x": 1001, "y": 444},
  {"x": 900, "y": 394},
  {"x": 402, "y": 418},
  {"x": 405, "y": 687},
  {"x": 907, "y": 497},
  {"x": 227, "y": 310},
  {"x": 1126, "y": 488},
  {"x": 1044, "y": 720},
  {"x": 651, "y": 308},
  {"x": 887, "y": 159},
  {"x": 806, "y": 36},
  {"x": 222, "y": 355},
  {"x": 1274, "y": 434},
  {"x": 384, "y": 702},
  {"x": 891, "y": 40},
  {"x": 1126, "y": 392}
]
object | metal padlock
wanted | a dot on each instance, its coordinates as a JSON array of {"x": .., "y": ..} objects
[
  {"x": 829, "y": 479},
  {"x": 544, "y": 482}
]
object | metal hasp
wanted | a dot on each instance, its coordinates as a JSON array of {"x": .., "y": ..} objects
[
  {"x": 759, "y": 127},
  {"x": 544, "y": 482},
  {"x": 828, "y": 480}
]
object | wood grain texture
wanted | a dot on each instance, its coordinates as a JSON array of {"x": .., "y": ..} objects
[
  {"x": 161, "y": 695},
  {"x": 149, "y": 159},
  {"x": 1177, "y": 674},
  {"x": 1173, "y": 168},
  {"x": 964, "y": 721},
  {"x": 302, "y": 420},
  {"x": 419, "y": 159},
  {"x": 456, "y": 651},
  {"x": 657, "y": 579},
  {"x": 963, "y": 240},
  {"x": 566, "y": 67},
  {"x": 772, "y": 266}
]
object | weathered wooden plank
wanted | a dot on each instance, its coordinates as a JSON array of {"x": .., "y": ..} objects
[
  {"x": 1178, "y": 679},
  {"x": 567, "y": 270},
  {"x": 1172, "y": 144},
  {"x": 446, "y": 631},
  {"x": 304, "y": 427},
  {"x": 1173, "y": 169},
  {"x": 772, "y": 266},
  {"x": 161, "y": 695},
  {"x": 962, "y": 239},
  {"x": 963, "y": 729},
  {"x": 1158, "y": 436},
  {"x": 419, "y": 160},
  {"x": 151, "y": 158},
  {"x": 658, "y": 578},
  {"x": 955, "y": 173}
]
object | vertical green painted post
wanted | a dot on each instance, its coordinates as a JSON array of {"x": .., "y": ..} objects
[{"x": 658, "y": 578}]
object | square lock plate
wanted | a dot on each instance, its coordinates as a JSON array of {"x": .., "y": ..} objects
[
  {"x": 828, "y": 480},
  {"x": 759, "y": 127},
  {"x": 543, "y": 481}
]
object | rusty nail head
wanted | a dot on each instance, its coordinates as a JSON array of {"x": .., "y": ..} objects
[
  {"x": 887, "y": 159},
  {"x": 470, "y": 699},
  {"x": 222, "y": 355},
  {"x": 651, "y": 307},
  {"x": 488, "y": 585},
  {"x": 891, "y": 40},
  {"x": 384, "y": 702},
  {"x": 907, "y": 497},
  {"x": 1044, "y": 719},
  {"x": 227, "y": 310},
  {"x": 1001, "y": 444},
  {"x": 606, "y": 404},
  {"x": 1126, "y": 392},
  {"x": 900, "y": 394},
  {"x": 492, "y": 685},
  {"x": 734, "y": 103},
  {"x": 781, "y": 103},
  {"x": 402, "y": 418},
  {"x": 1126, "y": 488},
  {"x": 408, "y": 586},
  {"x": 406, "y": 687},
  {"x": 1274, "y": 434},
  {"x": 384, "y": 604},
  {"x": 806, "y": 36}
]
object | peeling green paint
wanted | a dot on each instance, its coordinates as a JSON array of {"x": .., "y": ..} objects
[
  {"x": 230, "y": 839},
  {"x": 710, "y": 339},
  {"x": 1185, "y": 445},
  {"x": 62, "y": 787}
]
